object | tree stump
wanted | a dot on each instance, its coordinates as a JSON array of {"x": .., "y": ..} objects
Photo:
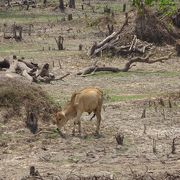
[
  {"x": 80, "y": 47},
  {"x": 72, "y": 4},
  {"x": 45, "y": 3},
  {"x": 124, "y": 7},
  {"x": 107, "y": 9},
  {"x": 31, "y": 121},
  {"x": 61, "y": 5},
  {"x": 59, "y": 42},
  {"x": 178, "y": 48},
  {"x": 110, "y": 29},
  {"x": 176, "y": 19},
  {"x": 119, "y": 138},
  {"x": 8, "y": 3},
  {"x": 70, "y": 17},
  {"x": 17, "y": 32},
  {"x": 30, "y": 29}
]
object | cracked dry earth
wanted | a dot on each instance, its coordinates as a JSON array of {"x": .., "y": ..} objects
[{"x": 75, "y": 157}]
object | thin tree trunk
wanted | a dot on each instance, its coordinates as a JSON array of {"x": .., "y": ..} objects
[{"x": 61, "y": 5}]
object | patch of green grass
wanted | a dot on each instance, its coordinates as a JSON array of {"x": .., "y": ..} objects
[
  {"x": 115, "y": 7},
  {"x": 5, "y": 137},
  {"x": 165, "y": 74},
  {"x": 116, "y": 98},
  {"x": 53, "y": 135},
  {"x": 26, "y": 17},
  {"x": 73, "y": 159},
  {"x": 111, "y": 74}
]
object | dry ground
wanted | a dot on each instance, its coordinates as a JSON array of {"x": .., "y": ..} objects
[{"x": 126, "y": 96}]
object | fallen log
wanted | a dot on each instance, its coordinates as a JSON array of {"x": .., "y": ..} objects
[
  {"x": 127, "y": 66},
  {"x": 29, "y": 64},
  {"x": 49, "y": 79},
  {"x": 97, "y": 69},
  {"x": 61, "y": 78}
]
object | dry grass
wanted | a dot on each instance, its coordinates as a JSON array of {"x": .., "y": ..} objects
[{"x": 17, "y": 93}]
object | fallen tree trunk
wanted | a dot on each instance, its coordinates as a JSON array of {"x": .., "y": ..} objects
[
  {"x": 61, "y": 78},
  {"x": 97, "y": 69},
  {"x": 127, "y": 66},
  {"x": 48, "y": 79}
]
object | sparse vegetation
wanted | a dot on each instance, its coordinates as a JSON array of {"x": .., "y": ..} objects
[
  {"x": 18, "y": 93},
  {"x": 143, "y": 104}
]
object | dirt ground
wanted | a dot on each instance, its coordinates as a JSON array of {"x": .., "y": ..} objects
[{"x": 127, "y": 95}]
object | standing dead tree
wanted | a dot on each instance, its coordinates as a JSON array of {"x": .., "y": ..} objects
[
  {"x": 72, "y": 4},
  {"x": 59, "y": 42},
  {"x": 45, "y": 3},
  {"x": 70, "y": 17},
  {"x": 119, "y": 138},
  {"x": 176, "y": 18},
  {"x": 178, "y": 48},
  {"x": 173, "y": 146},
  {"x": 110, "y": 29},
  {"x": 17, "y": 32},
  {"x": 61, "y": 5},
  {"x": 31, "y": 121}
]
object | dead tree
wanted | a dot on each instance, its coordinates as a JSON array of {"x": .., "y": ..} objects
[
  {"x": 27, "y": 5},
  {"x": 31, "y": 65},
  {"x": 127, "y": 66},
  {"x": 59, "y": 42},
  {"x": 143, "y": 114},
  {"x": 8, "y": 3},
  {"x": 119, "y": 138},
  {"x": 5, "y": 34},
  {"x": 80, "y": 47},
  {"x": 176, "y": 18},
  {"x": 17, "y": 32},
  {"x": 124, "y": 7},
  {"x": 110, "y": 29},
  {"x": 45, "y": 3},
  {"x": 61, "y": 5},
  {"x": 178, "y": 48},
  {"x": 145, "y": 128},
  {"x": 154, "y": 146},
  {"x": 31, "y": 121},
  {"x": 72, "y": 4},
  {"x": 30, "y": 29},
  {"x": 70, "y": 17},
  {"x": 173, "y": 151},
  {"x": 44, "y": 71},
  {"x": 33, "y": 171}
]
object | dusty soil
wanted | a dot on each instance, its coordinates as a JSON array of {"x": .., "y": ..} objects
[
  {"x": 126, "y": 97},
  {"x": 57, "y": 157}
]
